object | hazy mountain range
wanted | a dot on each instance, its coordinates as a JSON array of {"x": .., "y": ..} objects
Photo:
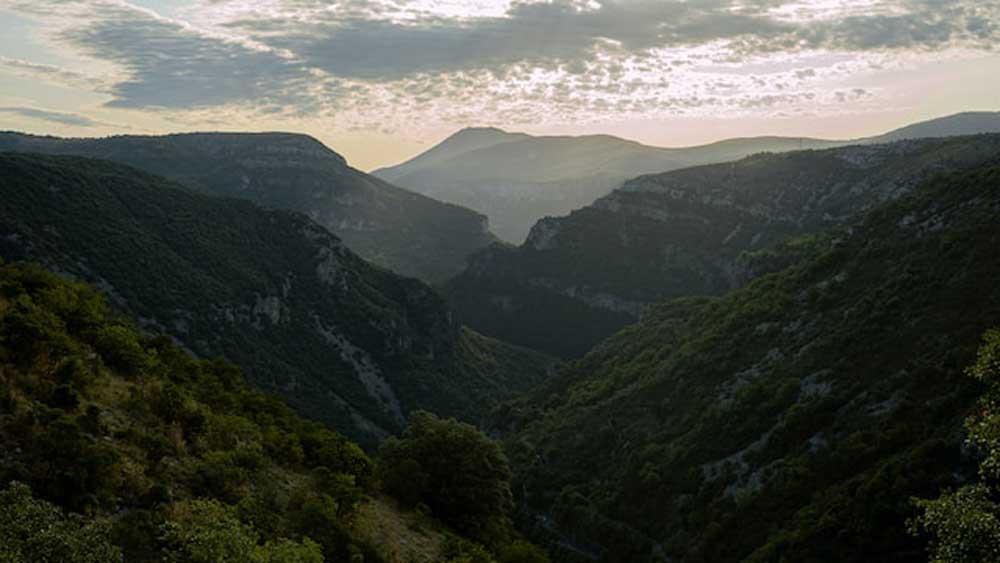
[{"x": 516, "y": 179}]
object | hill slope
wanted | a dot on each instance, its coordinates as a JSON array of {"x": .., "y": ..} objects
[
  {"x": 156, "y": 456},
  {"x": 518, "y": 179},
  {"x": 790, "y": 420},
  {"x": 344, "y": 341},
  {"x": 406, "y": 232},
  {"x": 697, "y": 231}
]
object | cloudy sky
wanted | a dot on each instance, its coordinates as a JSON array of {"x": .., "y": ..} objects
[{"x": 380, "y": 80}]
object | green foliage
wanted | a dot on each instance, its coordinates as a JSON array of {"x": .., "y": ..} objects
[
  {"x": 964, "y": 525},
  {"x": 287, "y": 551},
  {"x": 461, "y": 550},
  {"x": 270, "y": 290},
  {"x": 120, "y": 348},
  {"x": 987, "y": 366},
  {"x": 522, "y": 552},
  {"x": 105, "y": 421},
  {"x": 205, "y": 531},
  {"x": 32, "y": 530},
  {"x": 812, "y": 403},
  {"x": 454, "y": 469}
]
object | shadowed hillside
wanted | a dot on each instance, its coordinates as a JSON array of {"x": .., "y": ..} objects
[
  {"x": 344, "y": 341},
  {"x": 397, "y": 229}
]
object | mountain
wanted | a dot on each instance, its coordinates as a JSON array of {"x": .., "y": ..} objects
[
  {"x": 789, "y": 420},
  {"x": 968, "y": 123},
  {"x": 406, "y": 232},
  {"x": 517, "y": 179},
  {"x": 466, "y": 140},
  {"x": 696, "y": 231},
  {"x": 345, "y": 342},
  {"x": 117, "y": 446}
]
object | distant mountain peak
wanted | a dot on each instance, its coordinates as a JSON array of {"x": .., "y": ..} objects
[
  {"x": 965, "y": 123},
  {"x": 481, "y": 137},
  {"x": 462, "y": 141},
  {"x": 475, "y": 130}
]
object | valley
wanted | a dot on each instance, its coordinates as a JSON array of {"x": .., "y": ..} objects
[{"x": 232, "y": 347}]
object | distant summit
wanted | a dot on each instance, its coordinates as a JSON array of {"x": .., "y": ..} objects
[
  {"x": 968, "y": 123},
  {"x": 516, "y": 179},
  {"x": 461, "y": 142}
]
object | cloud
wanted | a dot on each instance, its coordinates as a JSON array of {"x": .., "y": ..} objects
[
  {"x": 59, "y": 117},
  {"x": 171, "y": 65},
  {"x": 377, "y": 64},
  {"x": 547, "y": 34},
  {"x": 541, "y": 35},
  {"x": 54, "y": 74}
]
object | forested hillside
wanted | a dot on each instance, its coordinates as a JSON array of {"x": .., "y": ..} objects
[
  {"x": 697, "y": 231},
  {"x": 790, "y": 420},
  {"x": 406, "y": 232},
  {"x": 346, "y": 342},
  {"x": 115, "y": 446}
]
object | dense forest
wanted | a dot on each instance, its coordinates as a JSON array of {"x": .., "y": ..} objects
[
  {"x": 115, "y": 446},
  {"x": 813, "y": 402}
]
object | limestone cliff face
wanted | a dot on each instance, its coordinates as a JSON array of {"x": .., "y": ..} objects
[
  {"x": 406, "y": 232},
  {"x": 697, "y": 231}
]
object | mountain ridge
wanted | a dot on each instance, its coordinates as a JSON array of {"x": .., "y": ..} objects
[
  {"x": 683, "y": 232},
  {"x": 514, "y": 182},
  {"x": 395, "y": 228}
]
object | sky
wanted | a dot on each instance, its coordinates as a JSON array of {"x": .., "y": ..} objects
[{"x": 382, "y": 80}]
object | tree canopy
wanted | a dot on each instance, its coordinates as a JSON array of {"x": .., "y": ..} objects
[
  {"x": 964, "y": 525},
  {"x": 455, "y": 470}
]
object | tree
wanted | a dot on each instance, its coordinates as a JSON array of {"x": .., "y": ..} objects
[
  {"x": 453, "y": 468},
  {"x": 288, "y": 551},
  {"x": 35, "y": 530},
  {"x": 521, "y": 551},
  {"x": 964, "y": 525},
  {"x": 206, "y": 531}
]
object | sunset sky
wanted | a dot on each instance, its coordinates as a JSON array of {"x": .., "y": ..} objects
[{"x": 381, "y": 80}]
